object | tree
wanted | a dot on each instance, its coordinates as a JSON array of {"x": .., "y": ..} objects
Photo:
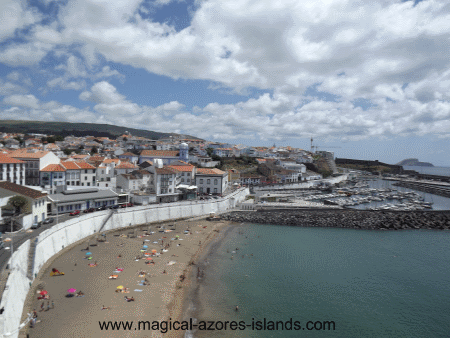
[
  {"x": 67, "y": 151},
  {"x": 19, "y": 203},
  {"x": 59, "y": 138},
  {"x": 209, "y": 151},
  {"x": 125, "y": 139},
  {"x": 94, "y": 150}
]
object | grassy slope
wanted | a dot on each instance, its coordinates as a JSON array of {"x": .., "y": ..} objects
[{"x": 76, "y": 129}]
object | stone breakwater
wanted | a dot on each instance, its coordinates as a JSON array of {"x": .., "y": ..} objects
[{"x": 353, "y": 219}]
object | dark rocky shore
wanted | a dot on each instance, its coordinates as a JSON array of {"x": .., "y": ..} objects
[{"x": 353, "y": 219}]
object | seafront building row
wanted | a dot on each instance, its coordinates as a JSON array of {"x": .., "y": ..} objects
[{"x": 104, "y": 173}]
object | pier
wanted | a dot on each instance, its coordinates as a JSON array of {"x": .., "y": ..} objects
[{"x": 440, "y": 189}]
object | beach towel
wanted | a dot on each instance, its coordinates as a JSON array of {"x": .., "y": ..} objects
[
  {"x": 119, "y": 269},
  {"x": 137, "y": 290},
  {"x": 113, "y": 276}
]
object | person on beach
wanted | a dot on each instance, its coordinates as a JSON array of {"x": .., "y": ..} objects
[
  {"x": 105, "y": 308},
  {"x": 48, "y": 305},
  {"x": 32, "y": 322},
  {"x": 34, "y": 313},
  {"x": 237, "y": 308},
  {"x": 164, "y": 272},
  {"x": 42, "y": 307},
  {"x": 53, "y": 304}
]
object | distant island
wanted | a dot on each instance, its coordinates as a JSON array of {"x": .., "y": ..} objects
[{"x": 414, "y": 162}]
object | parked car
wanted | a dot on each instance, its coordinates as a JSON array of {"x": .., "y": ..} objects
[
  {"x": 89, "y": 210},
  {"x": 74, "y": 213},
  {"x": 101, "y": 208},
  {"x": 36, "y": 225},
  {"x": 114, "y": 206},
  {"x": 48, "y": 220},
  {"x": 126, "y": 205}
]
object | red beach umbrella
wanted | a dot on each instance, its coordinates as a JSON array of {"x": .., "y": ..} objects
[{"x": 43, "y": 292}]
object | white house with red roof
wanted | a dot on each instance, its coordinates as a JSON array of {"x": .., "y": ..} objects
[
  {"x": 167, "y": 156},
  {"x": 12, "y": 170},
  {"x": 211, "y": 180},
  {"x": 68, "y": 173},
  {"x": 35, "y": 160}
]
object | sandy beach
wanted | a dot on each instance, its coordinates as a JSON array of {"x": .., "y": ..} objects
[{"x": 160, "y": 300}]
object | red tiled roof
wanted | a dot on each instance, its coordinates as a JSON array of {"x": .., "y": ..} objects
[
  {"x": 166, "y": 170},
  {"x": 160, "y": 153},
  {"x": 23, "y": 153},
  {"x": 111, "y": 160},
  {"x": 6, "y": 159},
  {"x": 21, "y": 190},
  {"x": 126, "y": 165},
  {"x": 84, "y": 165},
  {"x": 182, "y": 168},
  {"x": 208, "y": 171},
  {"x": 128, "y": 154},
  {"x": 54, "y": 167},
  {"x": 70, "y": 165}
]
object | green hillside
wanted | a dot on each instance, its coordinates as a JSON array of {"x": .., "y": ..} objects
[{"x": 78, "y": 129}]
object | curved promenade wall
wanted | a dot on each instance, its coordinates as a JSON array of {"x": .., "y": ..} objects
[
  {"x": 15, "y": 292},
  {"x": 55, "y": 239}
]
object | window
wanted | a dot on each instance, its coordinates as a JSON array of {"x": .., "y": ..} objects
[
  {"x": 182, "y": 179},
  {"x": 85, "y": 178},
  {"x": 107, "y": 185},
  {"x": 208, "y": 181},
  {"x": 88, "y": 184},
  {"x": 215, "y": 181},
  {"x": 35, "y": 204},
  {"x": 200, "y": 189},
  {"x": 215, "y": 190},
  {"x": 85, "y": 171},
  {"x": 68, "y": 183}
]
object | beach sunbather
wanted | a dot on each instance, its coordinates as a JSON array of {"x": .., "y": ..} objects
[{"x": 105, "y": 308}]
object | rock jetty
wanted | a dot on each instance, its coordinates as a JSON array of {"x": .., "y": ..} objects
[{"x": 353, "y": 219}]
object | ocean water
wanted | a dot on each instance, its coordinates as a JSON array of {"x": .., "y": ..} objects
[
  {"x": 370, "y": 283},
  {"x": 442, "y": 171}
]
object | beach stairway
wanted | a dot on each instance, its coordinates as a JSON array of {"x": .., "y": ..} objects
[
  {"x": 111, "y": 212},
  {"x": 31, "y": 255}
]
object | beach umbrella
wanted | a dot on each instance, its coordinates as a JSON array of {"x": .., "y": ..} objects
[
  {"x": 88, "y": 253},
  {"x": 154, "y": 251},
  {"x": 145, "y": 246},
  {"x": 72, "y": 290},
  {"x": 120, "y": 287},
  {"x": 43, "y": 292},
  {"x": 149, "y": 258}
]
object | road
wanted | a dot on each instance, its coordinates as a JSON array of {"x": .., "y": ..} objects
[{"x": 21, "y": 237}]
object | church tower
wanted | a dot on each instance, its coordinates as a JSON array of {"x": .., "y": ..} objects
[{"x": 184, "y": 152}]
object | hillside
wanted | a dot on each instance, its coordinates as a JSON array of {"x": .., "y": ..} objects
[
  {"x": 78, "y": 129},
  {"x": 414, "y": 162}
]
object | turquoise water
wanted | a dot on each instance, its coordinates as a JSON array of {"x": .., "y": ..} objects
[{"x": 370, "y": 283}]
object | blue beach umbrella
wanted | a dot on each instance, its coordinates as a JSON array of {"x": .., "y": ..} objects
[
  {"x": 145, "y": 246},
  {"x": 88, "y": 253}
]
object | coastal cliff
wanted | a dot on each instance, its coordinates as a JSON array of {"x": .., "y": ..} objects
[
  {"x": 353, "y": 219},
  {"x": 414, "y": 162}
]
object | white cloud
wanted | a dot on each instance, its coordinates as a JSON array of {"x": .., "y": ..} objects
[
  {"x": 391, "y": 54},
  {"x": 14, "y": 15},
  {"x": 27, "y": 101}
]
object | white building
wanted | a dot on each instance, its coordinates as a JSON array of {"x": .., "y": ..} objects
[
  {"x": 12, "y": 170},
  {"x": 35, "y": 160},
  {"x": 211, "y": 181},
  {"x": 36, "y": 208}
]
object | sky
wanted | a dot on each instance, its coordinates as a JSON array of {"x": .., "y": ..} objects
[{"x": 365, "y": 79}]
